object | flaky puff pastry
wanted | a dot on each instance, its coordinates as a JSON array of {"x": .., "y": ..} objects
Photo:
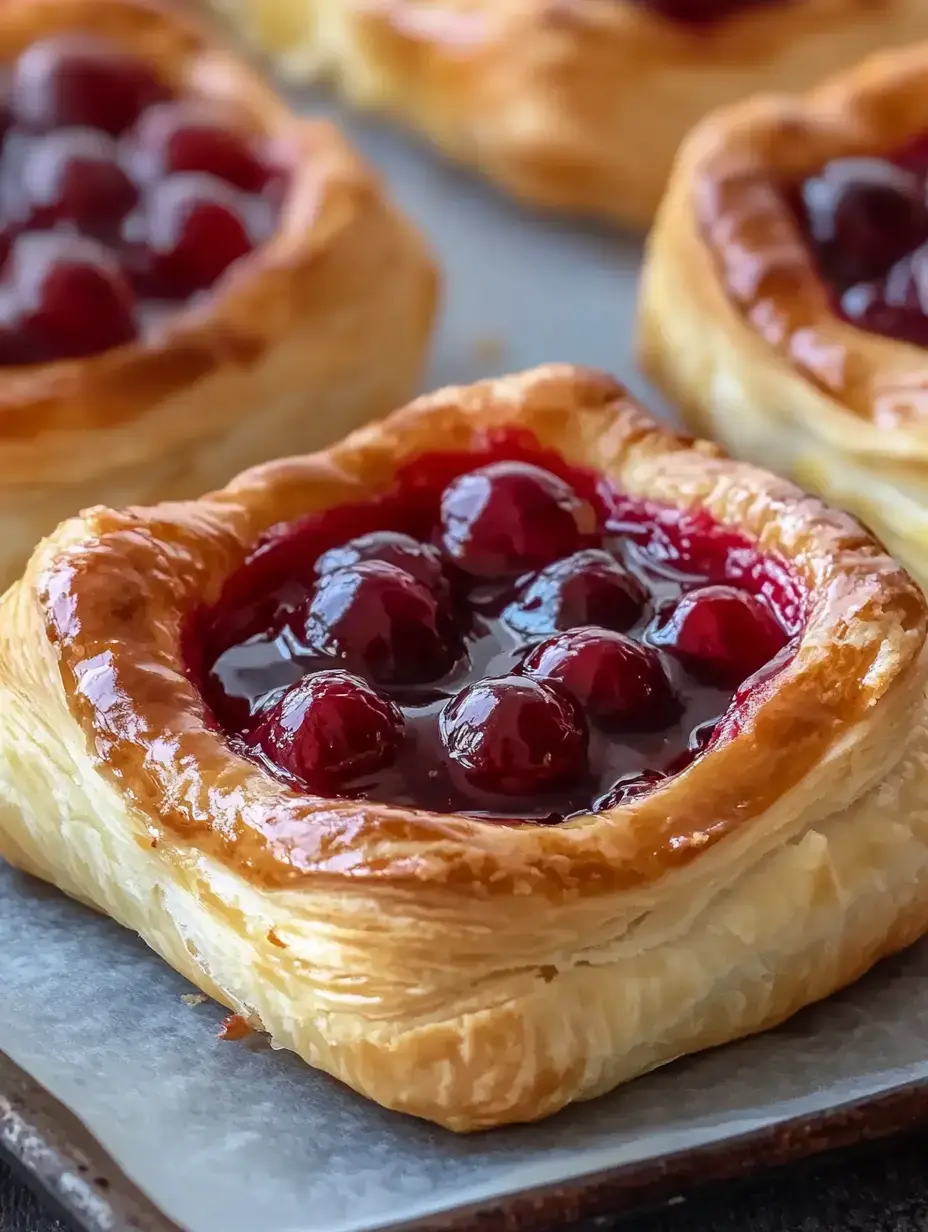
[
  {"x": 468, "y": 972},
  {"x": 574, "y": 105},
  {"x": 322, "y": 328},
  {"x": 737, "y": 326}
]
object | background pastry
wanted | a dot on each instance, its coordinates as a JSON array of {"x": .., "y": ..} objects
[
  {"x": 193, "y": 278},
  {"x": 785, "y": 294},
  {"x": 572, "y": 104},
  {"x": 509, "y": 749}
]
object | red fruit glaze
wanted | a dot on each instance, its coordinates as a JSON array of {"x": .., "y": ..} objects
[
  {"x": 79, "y": 79},
  {"x": 722, "y": 635},
  {"x": 618, "y": 682},
  {"x": 701, "y": 13},
  {"x": 587, "y": 588},
  {"x": 379, "y": 619},
  {"x": 515, "y": 736},
  {"x": 509, "y": 517},
  {"x": 499, "y": 723},
  {"x": 328, "y": 729},
  {"x": 867, "y": 223}
]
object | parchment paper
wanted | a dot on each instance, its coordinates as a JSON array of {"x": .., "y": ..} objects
[{"x": 241, "y": 1138}]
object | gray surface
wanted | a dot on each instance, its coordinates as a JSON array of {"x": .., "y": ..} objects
[{"x": 239, "y": 1137}]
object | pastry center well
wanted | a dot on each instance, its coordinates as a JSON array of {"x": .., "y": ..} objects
[{"x": 501, "y": 635}]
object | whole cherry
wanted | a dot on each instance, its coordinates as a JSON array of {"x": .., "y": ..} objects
[
  {"x": 420, "y": 560},
  {"x": 587, "y": 588},
  {"x": 509, "y": 517},
  {"x": 328, "y": 729},
  {"x": 381, "y": 621},
  {"x": 617, "y": 681},
  {"x": 515, "y": 736},
  {"x": 722, "y": 635}
]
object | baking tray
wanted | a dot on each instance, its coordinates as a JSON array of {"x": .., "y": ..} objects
[{"x": 120, "y": 1100}]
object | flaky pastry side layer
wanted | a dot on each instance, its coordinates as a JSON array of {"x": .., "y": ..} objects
[
  {"x": 575, "y": 105},
  {"x": 736, "y": 326},
  {"x": 470, "y": 973},
  {"x": 322, "y": 328}
]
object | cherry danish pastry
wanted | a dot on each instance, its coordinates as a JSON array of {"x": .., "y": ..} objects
[
  {"x": 574, "y": 105},
  {"x": 502, "y": 752},
  {"x": 785, "y": 293},
  {"x": 187, "y": 270}
]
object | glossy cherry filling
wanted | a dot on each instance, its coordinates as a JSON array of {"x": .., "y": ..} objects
[
  {"x": 701, "y": 13},
  {"x": 867, "y": 222},
  {"x": 501, "y": 635},
  {"x": 118, "y": 200}
]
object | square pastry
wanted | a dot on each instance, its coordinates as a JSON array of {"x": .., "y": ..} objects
[
  {"x": 574, "y": 105},
  {"x": 505, "y": 751},
  {"x": 194, "y": 278},
  {"x": 784, "y": 301}
]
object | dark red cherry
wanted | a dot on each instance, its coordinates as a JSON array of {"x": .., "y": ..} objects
[
  {"x": 75, "y": 298},
  {"x": 698, "y": 12},
  {"x": 863, "y": 214},
  {"x": 381, "y": 621},
  {"x": 330, "y": 728},
  {"x": 720, "y": 634},
  {"x": 629, "y": 788},
  {"x": 617, "y": 681},
  {"x": 420, "y": 560},
  {"x": 896, "y": 305},
  {"x": 192, "y": 228},
  {"x": 80, "y": 79},
  {"x": 510, "y": 517},
  {"x": 74, "y": 175},
  {"x": 587, "y": 588},
  {"x": 17, "y": 345},
  {"x": 192, "y": 135},
  {"x": 515, "y": 736}
]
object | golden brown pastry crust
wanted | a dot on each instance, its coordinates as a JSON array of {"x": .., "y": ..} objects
[
  {"x": 571, "y": 104},
  {"x": 320, "y": 329},
  {"x": 471, "y": 973},
  {"x": 736, "y": 323}
]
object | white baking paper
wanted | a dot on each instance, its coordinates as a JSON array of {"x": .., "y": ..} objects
[{"x": 241, "y": 1138}]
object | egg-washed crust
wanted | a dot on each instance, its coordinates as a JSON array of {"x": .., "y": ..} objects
[
  {"x": 737, "y": 325},
  {"x": 343, "y": 286},
  {"x": 466, "y": 972},
  {"x": 574, "y": 105}
]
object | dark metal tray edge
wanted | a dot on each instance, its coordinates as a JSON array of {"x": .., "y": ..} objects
[{"x": 60, "y": 1159}]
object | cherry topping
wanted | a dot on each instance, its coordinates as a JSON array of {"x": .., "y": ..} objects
[
  {"x": 720, "y": 634},
  {"x": 619, "y": 682},
  {"x": 73, "y": 175},
  {"x": 863, "y": 214},
  {"x": 509, "y": 517},
  {"x": 630, "y": 787},
  {"x": 380, "y": 620},
  {"x": 74, "y": 297},
  {"x": 515, "y": 736},
  {"x": 185, "y": 135},
  {"x": 192, "y": 228},
  {"x": 587, "y": 588},
  {"x": 330, "y": 728},
  {"x": 77, "y": 79},
  {"x": 699, "y": 12},
  {"x": 420, "y": 560},
  {"x": 896, "y": 305}
]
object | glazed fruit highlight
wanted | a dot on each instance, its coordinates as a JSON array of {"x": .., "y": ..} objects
[
  {"x": 118, "y": 201},
  {"x": 502, "y": 635},
  {"x": 867, "y": 221}
]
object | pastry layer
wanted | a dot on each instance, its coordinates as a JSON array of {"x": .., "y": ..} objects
[{"x": 575, "y": 106}]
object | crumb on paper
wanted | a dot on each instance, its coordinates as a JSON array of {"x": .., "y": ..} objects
[
  {"x": 489, "y": 348},
  {"x": 275, "y": 940},
  {"x": 194, "y": 998},
  {"x": 234, "y": 1028}
]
